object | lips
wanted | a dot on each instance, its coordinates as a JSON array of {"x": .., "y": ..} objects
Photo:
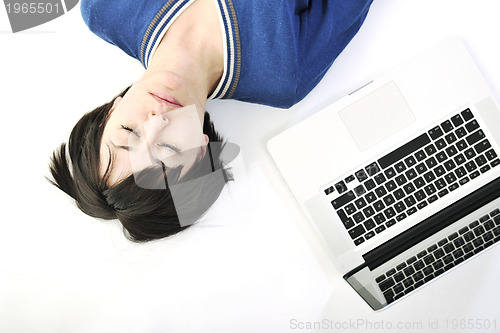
[{"x": 166, "y": 99}]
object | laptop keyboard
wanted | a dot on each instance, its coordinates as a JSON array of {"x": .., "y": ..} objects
[
  {"x": 413, "y": 176},
  {"x": 440, "y": 257}
]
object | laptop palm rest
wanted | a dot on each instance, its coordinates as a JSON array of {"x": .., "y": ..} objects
[{"x": 377, "y": 116}]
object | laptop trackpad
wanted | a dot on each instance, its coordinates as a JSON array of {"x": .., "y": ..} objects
[{"x": 377, "y": 116}]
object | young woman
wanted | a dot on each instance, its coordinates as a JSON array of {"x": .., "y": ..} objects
[{"x": 127, "y": 156}]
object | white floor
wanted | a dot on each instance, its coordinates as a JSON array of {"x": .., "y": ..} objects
[{"x": 254, "y": 264}]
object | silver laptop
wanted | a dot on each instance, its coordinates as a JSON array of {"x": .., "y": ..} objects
[{"x": 401, "y": 177}]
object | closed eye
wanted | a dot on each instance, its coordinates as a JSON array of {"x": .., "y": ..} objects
[
  {"x": 174, "y": 148},
  {"x": 166, "y": 145},
  {"x": 128, "y": 129}
]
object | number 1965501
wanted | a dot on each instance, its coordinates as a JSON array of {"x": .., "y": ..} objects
[{"x": 33, "y": 8}]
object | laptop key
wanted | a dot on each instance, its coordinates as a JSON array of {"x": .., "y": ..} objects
[
  {"x": 358, "y": 217},
  {"x": 389, "y": 172},
  {"x": 447, "y": 126},
  {"x": 480, "y": 160},
  {"x": 467, "y": 114},
  {"x": 440, "y": 144},
  {"x": 388, "y": 283},
  {"x": 411, "y": 211},
  {"x": 463, "y": 230},
  {"x": 474, "y": 224},
  {"x": 370, "y": 184},
  {"x": 341, "y": 187},
  {"x": 379, "y": 218},
  {"x": 461, "y": 145},
  {"x": 389, "y": 296},
  {"x": 484, "y": 218},
  {"x": 451, "y": 151},
  {"x": 370, "y": 235},
  {"x": 349, "y": 179},
  {"x": 422, "y": 254},
  {"x": 418, "y": 276},
  {"x": 443, "y": 241},
  {"x": 410, "y": 201},
  {"x": 329, "y": 190},
  {"x": 369, "y": 224},
  {"x": 438, "y": 264},
  {"x": 357, "y": 231},
  {"x": 410, "y": 161},
  {"x": 398, "y": 289},
  {"x": 390, "y": 186},
  {"x": 468, "y": 236},
  {"x": 459, "y": 159},
  {"x": 389, "y": 200},
  {"x": 472, "y": 126},
  {"x": 461, "y": 132},
  {"x": 390, "y": 223},
  {"x": 422, "y": 205},
  {"x": 401, "y": 217},
  {"x": 448, "y": 248},
  {"x": 408, "y": 282},
  {"x": 411, "y": 260},
  {"x": 361, "y": 175},
  {"x": 389, "y": 212},
  {"x": 360, "y": 190},
  {"x": 420, "y": 155},
  {"x": 430, "y": 149},
  {"x": 488, "y": 236},
  {"x": 343, "y": 199},
  {"x": 428, "y": 270},
  {"x": 343, "y": 216},
  {"x": 409, "y": 271},
  {"x": 457, "y": 120},
  {"x": 349, "y": 223},
  {"x": 447, "y": 259},
  {"x": 368, "y": 211},
  {"x": 490, "y": 155},
  {"x": 438, "y": 253},
  {"x": 436, "y": 132},
  {"x": 482, "y": 146},
  {"x": 475, "y": 137},
  {"x": 400, "y": 167},
  {"x": 401, "y": 152},
  {"x": 359, "y": 241},
  {"x": 350, "y": 209},
  {"x": 372, "y": 169},
  {"x": 489, "y": 225}
]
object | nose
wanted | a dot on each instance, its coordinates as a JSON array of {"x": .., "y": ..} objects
[
  {"x": 154, "y": 125},
  {"x": 158, "y": 116}
]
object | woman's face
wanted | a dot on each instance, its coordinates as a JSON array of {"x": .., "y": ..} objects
[{"x": 159, "y": 120}]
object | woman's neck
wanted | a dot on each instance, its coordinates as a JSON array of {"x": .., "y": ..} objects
[{"x": 193, "y": 47}]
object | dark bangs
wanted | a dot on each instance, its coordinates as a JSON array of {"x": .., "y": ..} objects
[{"x": 144, "y": 202}]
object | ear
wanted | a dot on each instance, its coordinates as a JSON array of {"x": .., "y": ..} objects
[
  {"x": 204, "y": 146},
  {"x": 115, "y": 103}
]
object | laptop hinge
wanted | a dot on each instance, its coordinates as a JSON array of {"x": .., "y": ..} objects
[{"x": 432, "y": 224}]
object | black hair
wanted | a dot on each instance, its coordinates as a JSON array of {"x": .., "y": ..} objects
[{"x": 146, "y": 212}]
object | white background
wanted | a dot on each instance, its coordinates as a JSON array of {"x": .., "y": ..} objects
[{"x": 254, "y": 264}]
